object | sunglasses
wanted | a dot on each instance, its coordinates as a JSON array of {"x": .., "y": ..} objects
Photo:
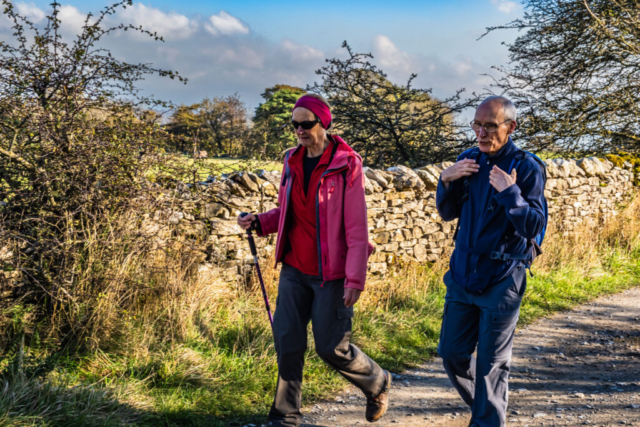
[{"x": 306, "y": 125}]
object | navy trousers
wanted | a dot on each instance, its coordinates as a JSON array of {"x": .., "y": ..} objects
[{"x": 486, "y": 324}]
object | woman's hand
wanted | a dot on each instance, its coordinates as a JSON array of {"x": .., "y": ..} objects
[
  {"x": 351, "y": 296},
  {"x": 245, "y": 222}
]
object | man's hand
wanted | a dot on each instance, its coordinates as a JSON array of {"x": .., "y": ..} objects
[
  {"x": 351, "y": 296},
  {"x": 501, "y": 180},
  {"x": 462, "y": 168},
  {"x": 245, "y": 222}
]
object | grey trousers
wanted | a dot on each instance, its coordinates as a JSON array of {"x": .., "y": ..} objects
[
  {"x": 485, "y": 323},
  {"x": 303, "y": 298}
]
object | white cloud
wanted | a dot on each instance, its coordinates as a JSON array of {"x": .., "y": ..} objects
[
  {"x": 171, "y": 26},
  {"x": 301, "y": 52},
  {"x": 505, "y": 6},
  {"x": 71, "y": 19},
  {"x": 463, "y": 67},
  {"x": 225, "y": 24},
  {"x": 31, "y": 11},
  {"x": 390, "y": 58}
]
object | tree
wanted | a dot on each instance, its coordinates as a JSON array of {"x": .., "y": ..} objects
[
  {"x": 272, "y": 133},
  {"x": 76, "y": 137},
  {"x": 185, "y": 126},
  {"x": 388, "y": 123},
  {"x": 225, "y": 123},
  {"x": 219, "y": 124},
  {"x": 575, "y": 75}
]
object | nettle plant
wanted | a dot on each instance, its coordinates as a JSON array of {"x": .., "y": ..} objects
[{"x": 76, "y": 135}]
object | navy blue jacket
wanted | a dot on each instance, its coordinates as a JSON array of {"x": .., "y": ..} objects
[{"x": 491, "y": 221}]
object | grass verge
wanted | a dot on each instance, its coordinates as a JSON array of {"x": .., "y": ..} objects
[{"x": 222, "y": 370}]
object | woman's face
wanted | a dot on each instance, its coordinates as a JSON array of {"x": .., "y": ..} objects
[{"x": 313, "y": 137}]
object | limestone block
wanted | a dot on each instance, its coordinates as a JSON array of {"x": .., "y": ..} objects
[
  {"x": 551, "y": 184},
  {"x": 225, "y": 228},
  {"x": 408, "y": 234},
  {"x": 433, "y": 258},
  {"x": 214, "y": 210},
  {"x": 245, "y": 179},
  {"x": 389, "y": 247},
  {"x": 430, "y": 181},
  {"x": 398, "y": 236},
  {"x": 400, "y": 195},
  {"x": 408, "y": 243},
  {"x": 573, "y": 182},
  {"x": 564, "y": 167},
  {"x": 378, "y": 268},
  {"x": 552, "y": 170},
  {"x": 404, "y": 177},
  {"x": 371, "y": 187},
  {"x": 420, "y": 253},
  {"x": 235, "y": 189},
  {"x": 377, "y": 177},
  {"x": 442, "y": 166}
]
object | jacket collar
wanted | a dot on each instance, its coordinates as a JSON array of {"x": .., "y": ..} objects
[
  {"x": 340, "y": 158},
  {"x": 507, "y": 150}
]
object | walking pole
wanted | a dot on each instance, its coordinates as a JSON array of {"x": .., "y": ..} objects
[{"x": 254, "y": 252}]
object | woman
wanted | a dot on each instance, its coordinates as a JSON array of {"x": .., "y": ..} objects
[{"x": 323, "y": 246}]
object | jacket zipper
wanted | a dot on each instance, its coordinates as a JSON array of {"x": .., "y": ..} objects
[
  {"x": 318, "y": 216},
  {"x": 473, "y": 229}
]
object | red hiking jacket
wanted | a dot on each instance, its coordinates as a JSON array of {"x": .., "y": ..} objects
[{"x": 341, "y": 217}]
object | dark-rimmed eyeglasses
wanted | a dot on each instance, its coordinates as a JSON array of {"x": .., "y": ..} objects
[
  {"x": 488, "y": 127},
  {"x": 306, "y": 125}
]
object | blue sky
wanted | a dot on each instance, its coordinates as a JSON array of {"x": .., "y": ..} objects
[{"x": 244, "y": 46}]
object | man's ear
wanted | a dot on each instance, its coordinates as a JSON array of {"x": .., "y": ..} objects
[{"x": 512, "y": 126}]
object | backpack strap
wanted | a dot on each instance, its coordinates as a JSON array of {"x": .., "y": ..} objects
[{"x": 533, "y": 249}]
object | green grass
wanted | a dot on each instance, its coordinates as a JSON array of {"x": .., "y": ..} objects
[
  {"x": 231, "y": 376},
  {"x": 185, "y": 168}
]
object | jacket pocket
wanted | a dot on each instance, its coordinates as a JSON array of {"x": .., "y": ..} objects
[{"x": 504, "y": 317}]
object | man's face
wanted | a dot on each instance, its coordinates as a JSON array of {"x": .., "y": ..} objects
[{"x": 492, "y": 113}]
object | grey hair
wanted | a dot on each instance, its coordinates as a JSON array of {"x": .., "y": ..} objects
[{"x": 508, "y": 107}]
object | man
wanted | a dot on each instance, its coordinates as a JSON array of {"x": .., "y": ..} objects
[{"x": 496, "y": 192}]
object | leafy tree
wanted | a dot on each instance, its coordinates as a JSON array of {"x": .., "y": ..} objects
[
  {"x": 185, "y": 127},
  {"x": 575, "y": 75},
  {"x": 219, "y": 124},
  {"x": 225, "y": 123},
  {"x": 388, "y": 123},
  {"x": 76, "y": 137},
  {"x": 271, "y": 133}
]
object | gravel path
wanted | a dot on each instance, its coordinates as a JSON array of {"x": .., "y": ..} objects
[{"x": 576, "y": 368}]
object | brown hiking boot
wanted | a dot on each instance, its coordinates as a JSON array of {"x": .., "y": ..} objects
[{"x": 377, "y": 406}]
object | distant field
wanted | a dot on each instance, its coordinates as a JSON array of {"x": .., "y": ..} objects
[{"x": 185, "y": 168}]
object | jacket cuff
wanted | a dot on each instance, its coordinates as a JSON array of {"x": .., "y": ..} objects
[
  {"x": 442, "y": 189},
  {"x": 352, "y": 285},
  {"x": 508, "y": 197},
  {"x": 258, "y": 226}
]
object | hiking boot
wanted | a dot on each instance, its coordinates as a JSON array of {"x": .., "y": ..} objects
[{"x": 377, "y": 406}]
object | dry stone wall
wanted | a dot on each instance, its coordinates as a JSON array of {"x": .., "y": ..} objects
[{"x": 403, "y": 222}]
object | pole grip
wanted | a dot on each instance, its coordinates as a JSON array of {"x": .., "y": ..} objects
[{"x": 252, "y": 243}]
